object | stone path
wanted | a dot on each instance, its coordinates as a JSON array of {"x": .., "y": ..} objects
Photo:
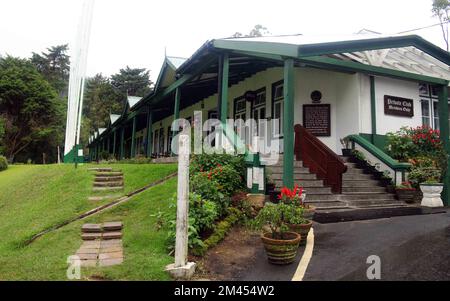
[{"x": 102, "y": 245}]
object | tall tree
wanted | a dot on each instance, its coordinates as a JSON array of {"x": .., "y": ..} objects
[
  {"x": 440, "y": 9},
  {"x": 54, "y": 65},
  {"x": 32, "y": 113},
  {"x": 132, "y": 81}
]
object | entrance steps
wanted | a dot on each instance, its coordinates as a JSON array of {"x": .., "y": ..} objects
[
  {"x": 363, "y": 197},
  {"x": 108, "y": 180}
]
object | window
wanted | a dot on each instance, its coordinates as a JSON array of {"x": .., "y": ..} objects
[
  {"x": 169, "y": 140},
  {"x": 277, "y": 110},
  {"x": 430, "y": 106}
]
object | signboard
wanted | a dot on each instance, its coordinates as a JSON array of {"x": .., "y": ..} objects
[
  {"x": 398, "y": 106},
  {"x": 317, "y": 119}
]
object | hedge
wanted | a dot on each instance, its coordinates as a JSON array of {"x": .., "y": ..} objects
[{"x": 3, "y": 163}]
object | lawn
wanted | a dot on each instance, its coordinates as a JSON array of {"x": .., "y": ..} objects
[{"x": 34, "y": 198}]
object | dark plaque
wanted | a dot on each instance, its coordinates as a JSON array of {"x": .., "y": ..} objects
[
  {"x": 398, "y": 106},
  {"x": 317, "y": 119}
]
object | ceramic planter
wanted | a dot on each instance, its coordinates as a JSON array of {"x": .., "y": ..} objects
[
  {"x": 432, "y": 195},
  {"x": 308, "y": 213},
  {"x": 303, "y": 230},
  {"x": 281, "y": 251},
  {"x": 406, "y": 194}
]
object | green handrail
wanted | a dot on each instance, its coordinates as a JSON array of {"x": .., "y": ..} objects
[{"x": 379, "y": 154}]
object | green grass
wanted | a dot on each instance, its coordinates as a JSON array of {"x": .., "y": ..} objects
[{"x": 34, "y": 198}]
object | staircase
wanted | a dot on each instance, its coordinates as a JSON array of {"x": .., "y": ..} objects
[
  {"x": 362, "y": 195},
  {"x": 106, "y": 179}
]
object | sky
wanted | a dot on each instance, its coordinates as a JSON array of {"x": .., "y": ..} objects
[{"x": 137, "y": 33}]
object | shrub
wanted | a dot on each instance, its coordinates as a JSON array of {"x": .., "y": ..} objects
[
  {"x": 229, "y": 180},
  {"x": 3, "y": 163},
  {"x": 208, "y": 189},
  {"x": 205, "y": 162}
]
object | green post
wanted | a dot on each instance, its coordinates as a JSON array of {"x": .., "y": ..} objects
[
  {"x": 108, "y": 144},
  {"x": 122, "y": 141},
  {"x": 288, "y": 124},
  {"x": 149, "y": 133},
  {"x": 114, "y": 143},
  {"x": 223, "y": 95},
  {"x": 444, "y": 129},
  {"x": 373, "y": 108},
  {"x": 133, "y": 139}
]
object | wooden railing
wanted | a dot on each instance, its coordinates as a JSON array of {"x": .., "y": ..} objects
[{"x": 319, "y": 158}]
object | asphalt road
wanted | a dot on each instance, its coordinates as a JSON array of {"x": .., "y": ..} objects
[{"x": 409, "y": 247}]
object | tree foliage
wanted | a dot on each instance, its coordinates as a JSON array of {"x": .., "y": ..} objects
[
  {"x": 440, "y": 9},
  {"x": 54, "y": 65},
  {"x": 257, "y": 31},
  {"x": 32, "y": 115},
  {"x": 132, "y": 81}
]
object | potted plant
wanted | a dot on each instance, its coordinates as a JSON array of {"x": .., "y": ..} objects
[
  {"x": 346, "y": 150},
  {"x": 359, "y": 159},
  {"x": 432, "y": 189},
  {"x": 280, "y": 243},
  {"x": 299, "y": 224},
  {"x": 297, "y": 197},
  {"x": 405, "y": 192}
]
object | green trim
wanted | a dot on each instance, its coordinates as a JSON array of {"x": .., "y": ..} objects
[
  {"x": 379, "y": 154},
  {"x": 122, "y": 144},
  {"x": 288, "y": 124},
  {"x": 372, "y": 70},
  {"x": 224, "y": 88},
  {"x": 283, "y": 49},
  {"x": 373, "y": 107},
  {"x": 444, "y": 130},
  {"x": 176, "y": 110}
]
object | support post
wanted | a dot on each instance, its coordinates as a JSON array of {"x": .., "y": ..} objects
[
  {"x": 224, "y": 70},
  {"x": 176, "y": 113},
  {"x": 444, "y": 133},
  {"x": 133, "y": 139},
  {"x": 114, "y": 143},
  {"x": 182, "y": 269},
  {"x": 288, "y": 124},
  {"x": 373, "y": 108},
  {"x": 149, "y": 133},
  {"x": 122, "y": 141}
]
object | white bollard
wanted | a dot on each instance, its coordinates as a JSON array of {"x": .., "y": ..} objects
[{"x": 182, "y": 269}]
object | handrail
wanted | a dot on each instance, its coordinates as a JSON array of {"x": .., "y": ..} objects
[
  {"x": 379, "y": 154},
  {"x": 319, "y": 158}
]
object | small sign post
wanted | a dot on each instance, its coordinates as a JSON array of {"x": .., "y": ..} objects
[{"x": 182, "y": 269}]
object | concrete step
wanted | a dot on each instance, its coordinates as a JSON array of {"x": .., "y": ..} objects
[
  {"x": 101, "y": 169},
  {"x": 91, "y": 236},
  {"x": 117, "y": 188},
  {"x": 279, "y": 169},
  {"x": 321, "y": 197},
  {"x": 109, "y": 179},
  {"x": 355, "y": 176},
  {"x": 301, "y": 181},
  {"x": 112, "y": 226},
  {"x": 352, "y": 170},
  {"x": 375, "y": 202},
  {"x": 109, "y": 174},
  {"x": 361, "y": 183},
  {"x": 108, "y": 184},
  {"x": 297, "y": 176},
  {"x": 391, "y": 205},
  {"x": 366, "y": 196},
  {"x": 350, "y": 165},
  {"x": 307, "y": 190},
  {"x": 112, "y": 235},
  {"x": 281, "y": 164},
  {"x": 91, "y": 228},
  {"x": 345, "y": 215},
  {"x": 345, "y": 159},
  {"x": 328, "y": 205},
  {"x": 363, "y": 189}
]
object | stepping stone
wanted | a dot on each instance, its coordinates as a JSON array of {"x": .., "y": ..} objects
[
  {"x": 107, "y": 188},
  {"x": 104, "y": 169},
  {"x": 112, "y": 226},
  {"x": 115, "y": 255},
  {"x": 111, "y": 243},
  {"x": 82, "y": 251},
  {"x": 111, "y": 249},
  {"x": 91, "y": 236},
  {"x": 112, "y": 235},
  {"x": 91, "y": 228},
  {"x": 110, "y": 262},
  {"x": 92, "y": 244},
  {"x": 88, "y": 256},
  {"x": 89, "y": 263}
]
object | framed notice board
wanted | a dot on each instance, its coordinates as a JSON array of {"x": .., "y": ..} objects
[{"x": 317, "y": 119}]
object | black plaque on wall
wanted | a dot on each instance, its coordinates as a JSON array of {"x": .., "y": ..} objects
[
  {"x": 317, "y": 119},
  {"x": 398, "y": 106}
]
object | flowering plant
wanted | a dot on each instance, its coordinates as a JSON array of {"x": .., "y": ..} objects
[
  {"x": 405, "y": 186},
  {"x": 292, "y": 196}
]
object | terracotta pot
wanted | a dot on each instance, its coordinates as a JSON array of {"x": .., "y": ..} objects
[
  {"x": 309, "y": 212},
  {"x": 303, "y": 230},
  {"x": 281, "y": 251}
]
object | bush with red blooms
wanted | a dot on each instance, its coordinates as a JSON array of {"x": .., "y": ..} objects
[{"x": 292, "y": 196}]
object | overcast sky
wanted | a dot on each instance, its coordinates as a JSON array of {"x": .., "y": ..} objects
[{"x": 136, "y": 32}]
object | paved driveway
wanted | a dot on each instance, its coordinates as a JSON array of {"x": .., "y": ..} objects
[{"x": 410, "y": 248}]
